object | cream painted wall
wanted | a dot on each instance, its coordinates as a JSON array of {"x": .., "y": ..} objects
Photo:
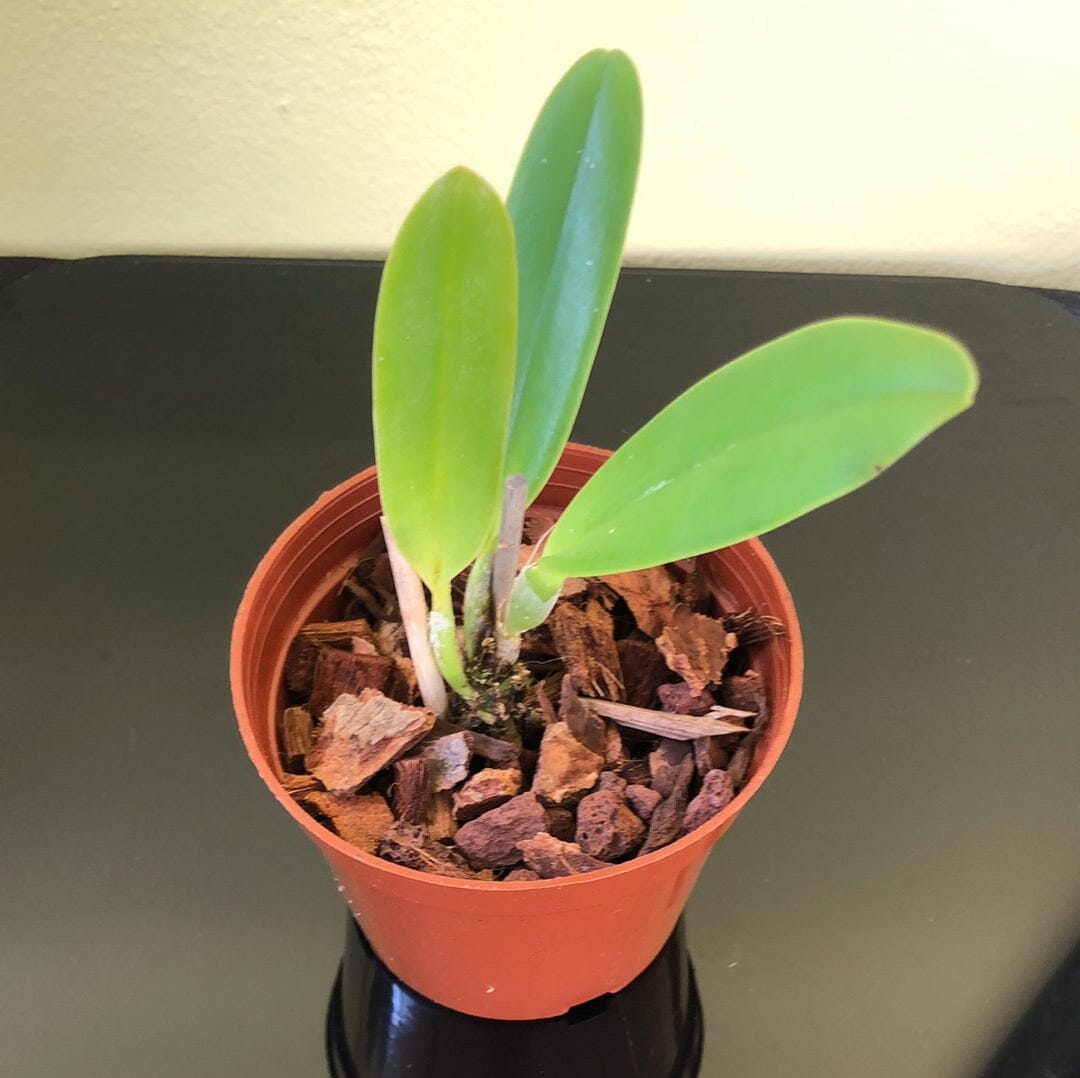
[{"x": 922, "y": 136}]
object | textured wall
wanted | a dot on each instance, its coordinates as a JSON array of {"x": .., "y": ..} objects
[{"x": 932, "y": 136}]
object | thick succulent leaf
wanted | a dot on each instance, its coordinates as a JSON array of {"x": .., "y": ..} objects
[
  {"x": 764, "y": 439},
  {"x": 443, "y": 368},
  {"x": 569, "y": 202}
]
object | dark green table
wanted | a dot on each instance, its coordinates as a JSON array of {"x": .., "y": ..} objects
[{"x": 888, "y": 905}]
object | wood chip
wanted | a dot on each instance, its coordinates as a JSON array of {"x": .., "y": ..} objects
[
  {"x": 643, "y": 800},
  {"x": 566, "y": 769},
  {"x": 716, "y": 793},
  {"x": 543, "y": 701},
  {"x": 296, "y": 736},
  {"x": 486, "y": 790},
  {"x": 403, "y": 683},
  {"x": 693, "y": 589},
  {"x": 494, "y": 839},
  {"x": 753, "y": 628},
  {"x": 410, "y": 792},
  {"x": 359, "y": 820},
  {"x": 440, "y": 822},
  {"x": 663, "y": 724},
  {"x": 584, "y": 637},
  {"x": 572, "y": 586},
  {"x": 651, "y": 594},
  {"x": 360, "y": 735},
  {"x": 606, "y": 828},
  {"x": 494, "y": 750},
  {"x": 696, "y": 648},
  {"x": 537, "y": 645},
  {"x": 679, "y": 698},
  {"x": 442, "y": 728},
  {"x": 584, "y": 723},
  {"x": 448, "y": 759},
  {"x": 338, "y": 672},
  {"x": 299, "y": 672},
  {"x": 298, "y": 784},
  {"x": 341, "y": 633},
  {"x": 448, "y": 756},
  {"x": 311, "y": 640},
  {"x": 411, "y": 846},
  {"x": 643, "y": 668},
  {"x": 550, "y": 858}
]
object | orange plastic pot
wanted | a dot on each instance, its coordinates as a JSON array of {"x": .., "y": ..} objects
[{"x": 495, "y": 950}]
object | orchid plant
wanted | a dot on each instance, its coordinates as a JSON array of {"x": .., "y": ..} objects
[{"x": 488, "y": 320}]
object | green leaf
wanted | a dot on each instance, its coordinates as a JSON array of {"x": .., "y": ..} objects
[
  {"x": 786, "y": 428},
  {"x": 570, "y": 203},
  {"x": 443, "y": 374}
]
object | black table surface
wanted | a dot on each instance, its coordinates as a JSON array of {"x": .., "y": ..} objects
[{"x": 888, "y": 904}]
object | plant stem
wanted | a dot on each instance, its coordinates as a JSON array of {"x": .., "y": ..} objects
[
  {"x": 476, "y": 610},
  {"x": 506, "y": 561},
  {"x": 442, "y": 631},
  {"x": 414, "y": 616}
]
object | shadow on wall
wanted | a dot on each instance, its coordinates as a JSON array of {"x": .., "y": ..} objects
[{"x": 1046, "y": 1041}]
